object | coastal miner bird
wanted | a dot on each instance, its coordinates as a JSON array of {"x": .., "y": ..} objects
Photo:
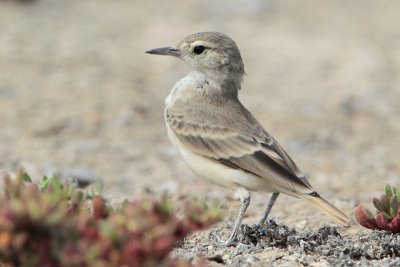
[{"x": 219, "y": 138}]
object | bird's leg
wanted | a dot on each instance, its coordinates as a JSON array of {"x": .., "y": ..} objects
[
  {"x": 245, "y": 199},
  {"x": 269, "y": 207}
]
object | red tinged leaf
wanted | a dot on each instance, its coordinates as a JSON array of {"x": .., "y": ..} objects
[
  {"x": 99, "y": 208},
  {"x": 385, "y": 201},
  {"x": 364, "y": 217},
  {"x": 388, "y": 225},
  {"x": 378, "y": 204},
  {"x": 395, "y": 224},
  {"x": 382, "y": 222}
]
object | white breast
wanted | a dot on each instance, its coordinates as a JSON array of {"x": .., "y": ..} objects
[{"x": 191, "y": 81}]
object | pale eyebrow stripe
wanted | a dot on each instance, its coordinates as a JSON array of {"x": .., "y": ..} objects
[{"x": 199, "y": 42}]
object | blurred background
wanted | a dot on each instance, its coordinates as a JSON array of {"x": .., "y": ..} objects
[{"x": 79, "y": 97}]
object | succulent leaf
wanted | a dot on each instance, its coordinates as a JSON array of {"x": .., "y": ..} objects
[
  {"x": 364, "y": 217},
  {"x": 24, "y": 176},
  {"x": 382, "y": 221},
  {"x": 378, "y": 204},
  {"x": 44, "y": 182},
  {"x": 395, "y": 224},
  {"x": 397, "y": 192},
  {"x": 385, "y": 202},
  {"x": 388, "y": 191},
  {"x": 394, "y": 205},
  {"x": 387, "y": 215}
]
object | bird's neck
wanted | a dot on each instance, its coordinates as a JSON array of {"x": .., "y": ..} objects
[{"x": 229, "y": 82}]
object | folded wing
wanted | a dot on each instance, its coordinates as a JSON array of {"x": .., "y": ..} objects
[{"x": 250, "y": 149}]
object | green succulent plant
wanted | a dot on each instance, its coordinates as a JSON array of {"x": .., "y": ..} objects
[
  {"x": 56, "y": 224},
  {"x": 388, "y": 211}
]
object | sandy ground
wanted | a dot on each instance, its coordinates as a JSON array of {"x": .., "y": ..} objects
[{"x": 78, "y": 96}]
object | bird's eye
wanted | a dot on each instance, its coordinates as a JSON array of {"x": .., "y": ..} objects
[{"x": 199, "y": 49}]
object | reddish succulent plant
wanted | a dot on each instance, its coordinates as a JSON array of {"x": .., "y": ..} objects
[
  {"x": 49, "y": 225},
  {"x": 388, "y": 212}
]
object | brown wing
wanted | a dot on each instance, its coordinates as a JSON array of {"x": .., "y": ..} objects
[
  {"x": 284, "y": 159},
  {"x": 247, "y": 147}
]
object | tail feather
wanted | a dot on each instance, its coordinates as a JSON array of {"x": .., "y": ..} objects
[{"x": 328, "y": 209}]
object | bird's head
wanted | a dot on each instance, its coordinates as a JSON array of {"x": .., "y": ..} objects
[{"x": 212, "y": 53}]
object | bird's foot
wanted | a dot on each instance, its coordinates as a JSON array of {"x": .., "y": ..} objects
[
  {"x": 260, "y": 224},
  {"x": 231, "y": 242}
]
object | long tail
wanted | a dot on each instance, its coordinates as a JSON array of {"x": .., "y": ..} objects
[{"x": 327, "y": 208}]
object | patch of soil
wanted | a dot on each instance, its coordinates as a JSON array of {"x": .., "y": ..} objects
[{"x": 282, "y": 244}]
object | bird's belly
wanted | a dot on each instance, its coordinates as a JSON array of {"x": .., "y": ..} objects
[{"x": 218, "y": 173}]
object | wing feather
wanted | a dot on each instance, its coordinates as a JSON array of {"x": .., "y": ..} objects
[{"x": 241, "y": 144}]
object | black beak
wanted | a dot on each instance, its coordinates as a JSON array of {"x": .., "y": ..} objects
[{"x": 166, "y": 51}]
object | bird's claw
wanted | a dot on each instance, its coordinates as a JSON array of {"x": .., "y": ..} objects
[{"x": 231, "y": 242}]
